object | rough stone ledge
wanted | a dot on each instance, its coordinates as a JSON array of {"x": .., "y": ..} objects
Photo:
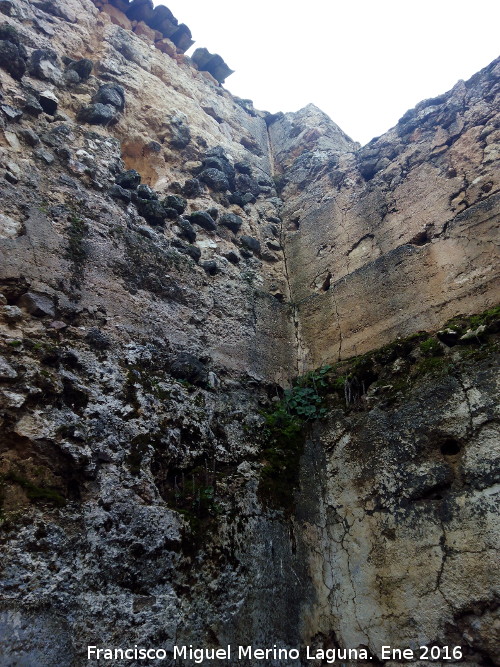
[{"x": 159, "y": 25}]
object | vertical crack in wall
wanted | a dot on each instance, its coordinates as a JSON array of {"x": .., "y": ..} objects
[
  {"x": 298, "y": 344},
  {"x": 337, "y": 316},
  {"x": 297, "y": 341},
  {"x": 445, "y": 552},
  {"x": 465, "y": 391}
]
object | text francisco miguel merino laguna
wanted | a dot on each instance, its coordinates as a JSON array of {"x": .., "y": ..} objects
[{"x": 239, "y": 653}]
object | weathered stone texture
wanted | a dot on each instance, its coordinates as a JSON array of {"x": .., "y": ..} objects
[
  {"x": 405, "y": 520},
  {"x": 399, "y": 235},
  {"x": 171, "y": 258}
]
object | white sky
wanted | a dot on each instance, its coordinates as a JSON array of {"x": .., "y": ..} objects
[{"x": 362, "y": 62}]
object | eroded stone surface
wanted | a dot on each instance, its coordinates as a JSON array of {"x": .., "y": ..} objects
[
  {"x": 140, "y": 343},
  {"x": 404, "y": 228},
  {"x": 405, "y": 531}
]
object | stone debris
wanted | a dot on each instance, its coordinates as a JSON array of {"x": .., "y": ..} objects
[
  {"x": 128, "y": 179},
  {"x": 29, "y": 136},
  {"x": 231, "y": 221},
  {"x": 215, "y": 179},
  {"x": 186, "y": 229},
  {"x": 13, "y": 54},
  {"x": 179, "y": 129},
  {"x": 9, "y": 227},
  {"x": 83, "y": 67},
  {"x": 472, "y": 334},
  {"x": 12, "y": 314},
  {"x": 117, "y": 192},
  {"x": 250, "y": 243},
  {"x": 32, "y": 106},
  {"x": 44, "y": 64},
  {"x": 6, "y": 371},
  {"x": 11, "y": 113},
  {"x": 111, "y": 94},
  {"x": 37, "y": 304},
  {"x": 187, "y": 367},
  {"x": 98, "y": 114},
  {"x": 210, "y": 267},
  {"x": 143, "y": 191},
  {"x": 203, "y": 219},
  {"x": 176, "y": 202},
  {"x": 153, "y": 210}
]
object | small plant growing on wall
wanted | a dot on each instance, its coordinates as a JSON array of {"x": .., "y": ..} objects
[{"x": 284, "y": 435}]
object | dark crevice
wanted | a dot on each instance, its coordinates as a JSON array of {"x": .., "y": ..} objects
[
  {"x": 327, "y": 282},
  {"x": 450, "y": 447}
]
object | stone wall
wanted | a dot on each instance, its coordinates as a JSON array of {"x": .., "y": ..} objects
[
  {"x": 397, "y": 236},
  {"x": 171, "y": 258},
  {"x": 399, "y": 500},
  {"x": 144, "y": 328},
  {"x": 159, "y": 27},
  {"x": 171, "y": 119}
]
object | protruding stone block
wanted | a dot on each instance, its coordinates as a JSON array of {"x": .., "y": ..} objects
[
  {"x": 164, "y": 21},
  {"x": 143, "y": 30},
  {"x": 182, "y": 38},
  {"x": 140, "y": 10},
  {"x": 37, "y": 304},
  {"x": 212, "y": 63},
  {"x": 166, "y": 46},
  {"x": 117, "y": 17}
]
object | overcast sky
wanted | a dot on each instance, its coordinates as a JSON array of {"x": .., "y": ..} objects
[{"x": 362, "y": 62}]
